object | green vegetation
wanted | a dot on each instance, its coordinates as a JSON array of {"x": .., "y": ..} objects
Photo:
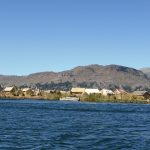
[
  {"x": 126, "y": 98},
  {"x": 50, "y": 96}
]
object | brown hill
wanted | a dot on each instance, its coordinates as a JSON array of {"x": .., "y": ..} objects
[{"x": 87, "y": 76}]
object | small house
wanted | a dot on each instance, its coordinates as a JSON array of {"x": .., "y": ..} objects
[
  {"x": 27, "y": 91},
  {"x": 144, "y": 94},
  {"x": 9, "y": 90},
  {"x": 92, "y": 91},
  {"x": 106, "y": 92},
  {"x": 77, "y": 91},
  {"x": 120, "y": 91}
]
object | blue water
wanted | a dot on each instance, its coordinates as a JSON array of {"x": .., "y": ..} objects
[{"x": 44, "y": 125}]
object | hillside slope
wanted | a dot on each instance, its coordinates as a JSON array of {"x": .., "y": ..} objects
[{"x": 88, "y": 76}]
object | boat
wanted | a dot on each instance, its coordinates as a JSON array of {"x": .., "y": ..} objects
[{"x": 69, "y": 99}]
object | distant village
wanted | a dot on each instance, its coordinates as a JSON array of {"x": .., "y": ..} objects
[{"x": 83, "y": 94}]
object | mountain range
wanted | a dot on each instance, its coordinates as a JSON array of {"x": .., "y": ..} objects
[{"x": 92, "y": 76}]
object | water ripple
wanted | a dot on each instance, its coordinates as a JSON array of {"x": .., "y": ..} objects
[{"x": 44, "y": 125}]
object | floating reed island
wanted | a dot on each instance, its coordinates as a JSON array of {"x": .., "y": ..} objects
[{"x": 82, "y": 94}]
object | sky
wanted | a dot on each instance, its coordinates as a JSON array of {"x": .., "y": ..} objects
[{"x": 57, "y": 35}]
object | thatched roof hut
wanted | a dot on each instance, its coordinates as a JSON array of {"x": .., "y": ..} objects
[
  {"x": 78, "y": 90},
  {"x": 145, "y": 94}
]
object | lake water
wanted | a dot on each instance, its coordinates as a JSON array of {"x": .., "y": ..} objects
[{"x": 45, "y": 125}]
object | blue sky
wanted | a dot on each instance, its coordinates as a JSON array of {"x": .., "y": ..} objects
[{"x": 56, "y": 35}]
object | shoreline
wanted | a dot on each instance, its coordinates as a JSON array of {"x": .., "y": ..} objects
[{"x": 91, "y": 101}]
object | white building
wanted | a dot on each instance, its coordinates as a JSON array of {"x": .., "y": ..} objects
[
  {"x": 26, "y": 89},
  {"x": 9, "y": 89},
  {"x": 106, "y": 92},
  {"x": 92, "y": 91}
]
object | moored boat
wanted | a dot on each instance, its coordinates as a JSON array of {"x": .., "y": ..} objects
[{"x": 70, "y": 98}]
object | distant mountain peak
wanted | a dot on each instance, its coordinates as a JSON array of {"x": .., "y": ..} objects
[{"x": 89, "y": 66}]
